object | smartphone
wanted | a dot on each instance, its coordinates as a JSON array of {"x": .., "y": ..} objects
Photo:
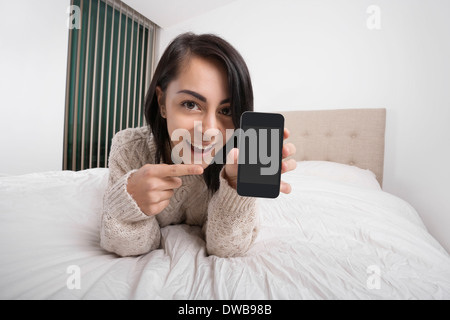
[{"x": 260, "y": 143}]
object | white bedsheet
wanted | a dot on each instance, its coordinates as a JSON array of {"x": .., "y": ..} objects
[{"x": 325, "y": 240}]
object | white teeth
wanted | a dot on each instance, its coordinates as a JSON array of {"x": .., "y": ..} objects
[{"x": 202, "y": 148}]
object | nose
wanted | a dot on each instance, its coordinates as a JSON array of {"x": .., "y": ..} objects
[{"x": 209, "y": 124}]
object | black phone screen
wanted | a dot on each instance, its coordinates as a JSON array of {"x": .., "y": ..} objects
[{"x": 259, "y": 158}]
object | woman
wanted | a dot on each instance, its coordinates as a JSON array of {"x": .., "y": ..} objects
[{"x": 201, "y": 85}]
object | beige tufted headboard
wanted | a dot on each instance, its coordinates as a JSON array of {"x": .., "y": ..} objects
[{"x": 349, "y": 136}]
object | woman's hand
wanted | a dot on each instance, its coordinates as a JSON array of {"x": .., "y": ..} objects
[
  {"x": 231, "y": 165},
  {"x": 152, "y": 185}
]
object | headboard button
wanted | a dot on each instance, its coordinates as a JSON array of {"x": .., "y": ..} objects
[
  {"x": 354, "y": 135},
  {"x": 352, "y": 163}
]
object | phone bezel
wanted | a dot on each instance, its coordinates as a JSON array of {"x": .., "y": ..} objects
[{"x": 261, "y": 119}]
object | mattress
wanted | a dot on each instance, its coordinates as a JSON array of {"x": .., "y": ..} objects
[{"x": 333, "y": 237}]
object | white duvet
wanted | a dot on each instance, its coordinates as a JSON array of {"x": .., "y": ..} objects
[{"x": 325, "y": 240}]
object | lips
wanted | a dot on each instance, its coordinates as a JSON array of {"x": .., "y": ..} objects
[{"x": 200, "y": 149}]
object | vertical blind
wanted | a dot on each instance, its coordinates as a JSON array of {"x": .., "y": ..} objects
[{"x": 110, "y": 61}]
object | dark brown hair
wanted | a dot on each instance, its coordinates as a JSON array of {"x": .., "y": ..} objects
[{"x": 239, "y": 83}]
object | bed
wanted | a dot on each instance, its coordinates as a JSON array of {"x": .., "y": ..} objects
[{"x": 338, "y": 235}]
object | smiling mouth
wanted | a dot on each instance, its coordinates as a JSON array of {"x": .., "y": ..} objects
[{"x": 200, "y": 149}]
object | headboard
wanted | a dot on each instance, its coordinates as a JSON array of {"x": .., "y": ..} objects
[{"x": 350, "y": 136}]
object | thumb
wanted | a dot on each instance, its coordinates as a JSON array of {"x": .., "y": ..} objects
[
  {"x": 233, "y": 157},
  {"x": 231, "y": 166}
]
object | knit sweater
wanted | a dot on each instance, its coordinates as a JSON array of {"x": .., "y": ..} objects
[{"x": 229, "y": 221}]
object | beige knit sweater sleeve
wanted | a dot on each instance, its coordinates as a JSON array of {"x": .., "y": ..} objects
[
  {"x": 232, "y": 223},
  {"x": 125, "y": 229}
]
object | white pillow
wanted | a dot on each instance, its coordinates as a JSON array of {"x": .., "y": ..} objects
[{"x": 339, "y": 172}]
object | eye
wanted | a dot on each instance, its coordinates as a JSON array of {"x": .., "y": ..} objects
[
  {"x": 226, "y": 111},
  {"x": 190, "y": 105}
]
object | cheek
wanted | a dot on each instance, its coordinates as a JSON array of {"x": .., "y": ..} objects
[{"x": 178, "y": 124}]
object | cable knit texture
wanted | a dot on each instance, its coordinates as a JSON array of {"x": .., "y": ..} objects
[{"x": 229, "y": 221}]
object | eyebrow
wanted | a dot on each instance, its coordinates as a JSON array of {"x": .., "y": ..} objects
[{"x": 200, "y": 97}]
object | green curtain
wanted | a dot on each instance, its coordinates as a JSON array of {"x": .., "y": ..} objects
[{"x": 109, "y": 60}]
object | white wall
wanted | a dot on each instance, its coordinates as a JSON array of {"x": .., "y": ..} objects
[
  {"x": 166, "y": 13},
  {"x": 319, "y": 54},
  {"x": 33, "y": 60}
]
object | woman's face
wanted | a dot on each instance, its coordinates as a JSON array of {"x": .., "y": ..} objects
[{"x": 196, "y": 105}]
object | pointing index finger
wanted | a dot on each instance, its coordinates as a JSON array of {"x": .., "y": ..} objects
[{"x": 177, "y": 170}]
